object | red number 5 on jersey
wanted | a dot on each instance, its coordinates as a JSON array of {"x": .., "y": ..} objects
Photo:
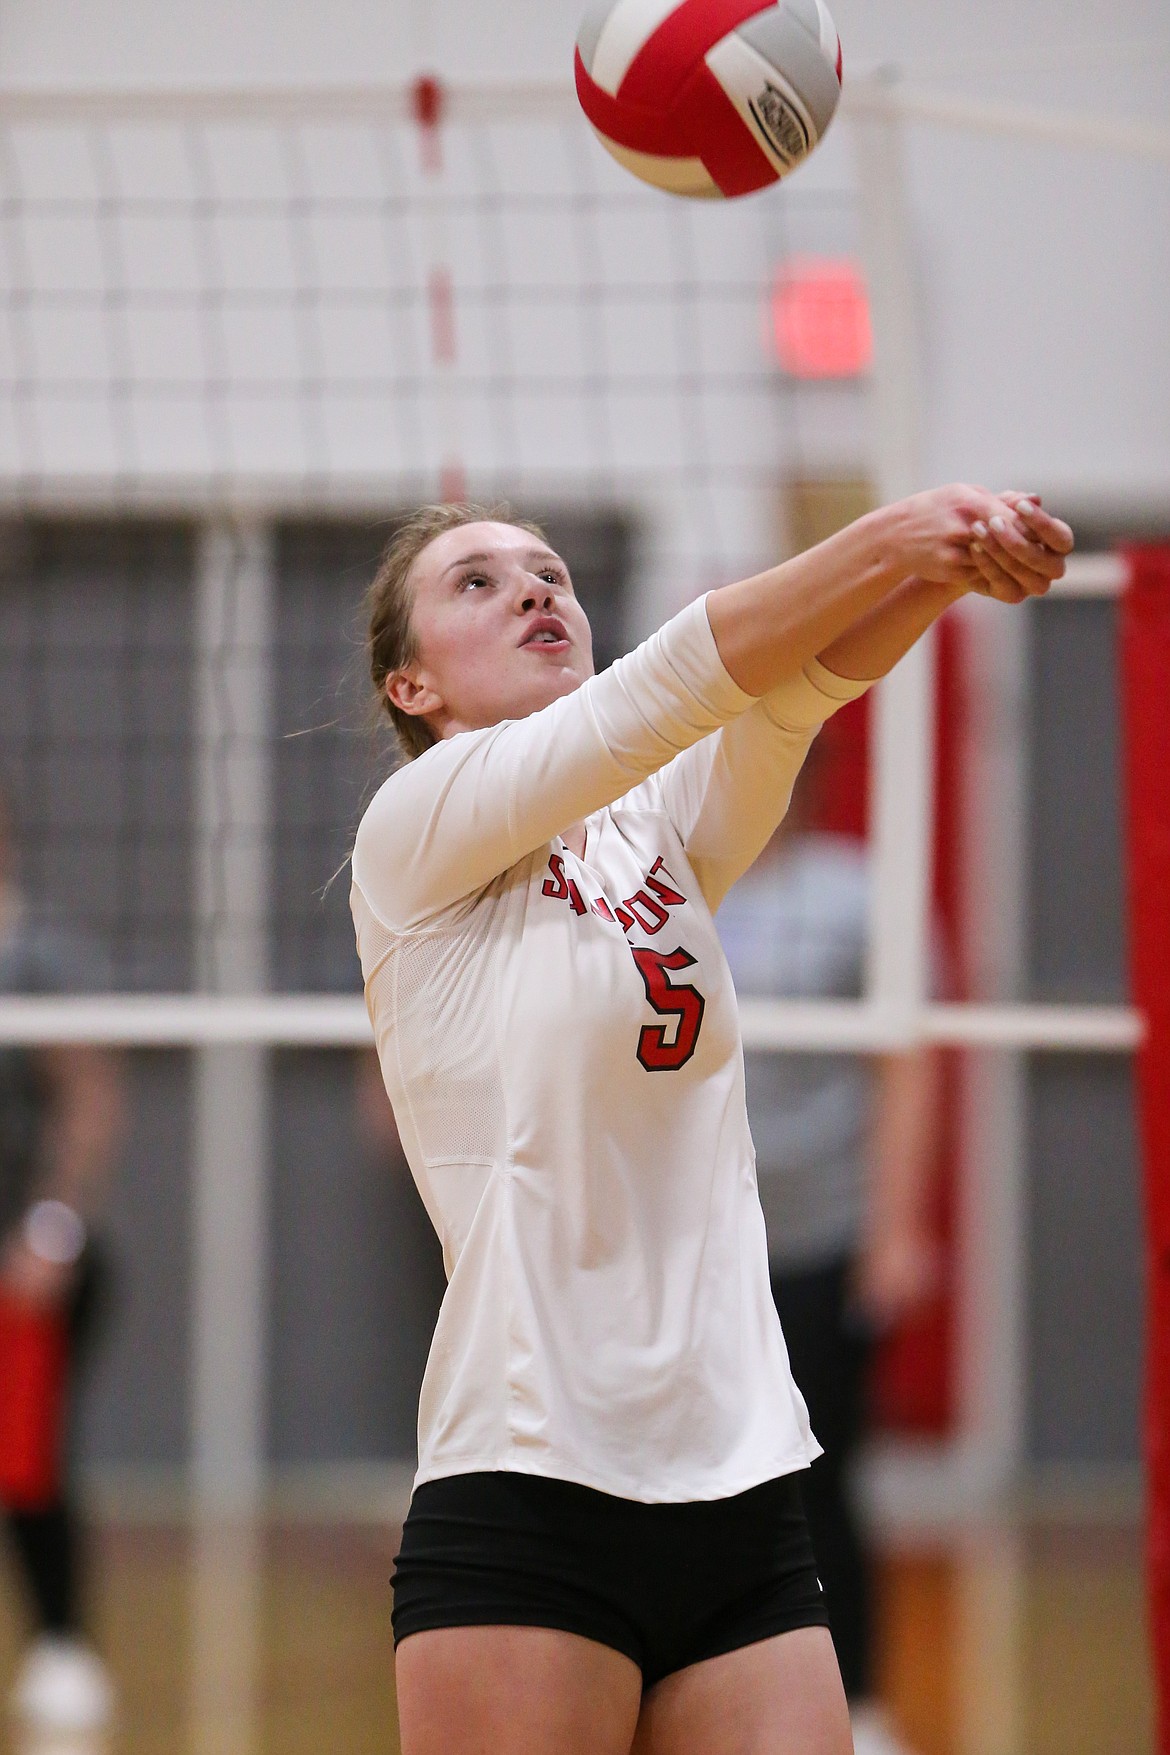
[{"x": 669, "y": 1000}]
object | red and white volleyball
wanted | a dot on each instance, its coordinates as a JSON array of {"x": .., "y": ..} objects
[{"x": 709, "y": 97}]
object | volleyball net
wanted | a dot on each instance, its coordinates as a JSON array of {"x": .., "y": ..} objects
[{"x": 240, "y": 331}]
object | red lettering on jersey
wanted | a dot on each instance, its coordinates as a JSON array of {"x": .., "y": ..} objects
[
  {"x": 650, "y": 915},
  {"x": 664, "y": 891},
  {"x": 646, "y": 908},
  {"x": 557, "y": 886}
]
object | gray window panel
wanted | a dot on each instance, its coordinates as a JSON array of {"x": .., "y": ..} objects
[
  {"x": 329, "y": 755},
  {"x": 134, "y": 1399},
  {"x": 1085, "y": 1262},
  {"x": 95, "y": 716},
  {"x": 356, "y": 1277},
  {"x": 1076, "y": 896},
  {"x": 1084, "y": 1244}
]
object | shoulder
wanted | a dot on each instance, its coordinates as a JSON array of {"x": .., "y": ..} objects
[
  {"x": 415, "y": 848},
  {"x": 415, "y": 785}
]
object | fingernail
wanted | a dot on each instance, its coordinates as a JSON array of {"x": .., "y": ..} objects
[
  {"x": 976, "y": 548},
  {"x": 979, "y": 527},
  {"x": 997, "y": 523}
]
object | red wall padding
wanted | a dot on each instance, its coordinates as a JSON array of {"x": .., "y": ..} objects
[{"x": 1145, "y": 671}]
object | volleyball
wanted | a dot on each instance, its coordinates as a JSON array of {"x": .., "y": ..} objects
[{"x": 709, "y": 98}]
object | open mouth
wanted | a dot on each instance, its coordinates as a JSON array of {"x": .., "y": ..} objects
[{"x": 548, "y": 634}]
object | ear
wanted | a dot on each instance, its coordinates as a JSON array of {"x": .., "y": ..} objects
[{"x": 412, "y": 694}]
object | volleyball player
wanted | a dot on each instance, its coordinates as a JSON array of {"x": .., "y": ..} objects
[{"x": 605, "y": 1551}]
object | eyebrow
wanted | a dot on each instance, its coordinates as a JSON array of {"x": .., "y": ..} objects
[{"x": 531, "y": 554}]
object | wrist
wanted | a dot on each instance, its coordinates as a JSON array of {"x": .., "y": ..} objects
[
  {"x": 939, "y": 596},
  {"x": 889, "y": 535}
]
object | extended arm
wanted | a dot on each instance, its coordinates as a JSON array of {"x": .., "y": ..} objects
[
  {"x": 726, "y": 795},
  {"x": 860, "y": 600},
  {"x": 447, "y": 824}
]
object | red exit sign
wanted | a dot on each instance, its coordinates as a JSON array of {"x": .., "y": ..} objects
[{"x": 819, "y": 318}]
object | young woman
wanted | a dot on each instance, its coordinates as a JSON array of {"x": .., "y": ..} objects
[{"x": 605, "y": 1550}]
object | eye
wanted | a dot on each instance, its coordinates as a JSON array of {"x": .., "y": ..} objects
[
  {"x": 471, "y": 579},
  {"x": 552, "y": 575}
]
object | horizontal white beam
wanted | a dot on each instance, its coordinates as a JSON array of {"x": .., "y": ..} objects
[
  {"x": 500, "y": 101},
  {"x": 1114, "y": 1028},
  {"x": 184, "y": 1020},
  {"x": 187, "y": 1020},
  {"x": 1092, "y": 575},
  {"x": 1088, "y": 128},
  {"x": 849, "y": 1026}
]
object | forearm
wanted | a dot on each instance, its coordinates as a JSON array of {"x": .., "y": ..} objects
[
  {"x": 861, "y": 599},
  {"x": 879, "y": 638},
  {"x": 769, "y": 626}
]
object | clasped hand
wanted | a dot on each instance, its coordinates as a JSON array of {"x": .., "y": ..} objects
[{"x": 1004, "y": 545}]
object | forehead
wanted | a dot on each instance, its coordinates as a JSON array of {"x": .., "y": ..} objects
[{"x": 482, "y": 538}]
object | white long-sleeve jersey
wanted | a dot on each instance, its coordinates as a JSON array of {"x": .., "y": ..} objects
[{"x": 560, "y": 1043}]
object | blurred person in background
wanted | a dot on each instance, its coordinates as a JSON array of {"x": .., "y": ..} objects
[
  {"x": 61, "y": 1117},
  {"x": 846, "y": 1149}
]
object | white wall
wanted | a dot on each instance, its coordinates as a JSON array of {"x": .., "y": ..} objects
[
  {"x": 1082, "y": 51},
  {"x": 1043, "y": 268}
]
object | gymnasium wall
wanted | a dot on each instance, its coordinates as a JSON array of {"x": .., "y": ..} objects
[
  {"x": 1041, "y": 368},
  {"x": 1041, "y": 363}
]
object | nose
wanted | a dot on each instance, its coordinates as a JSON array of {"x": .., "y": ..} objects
[{"x": 538, "y": 594}]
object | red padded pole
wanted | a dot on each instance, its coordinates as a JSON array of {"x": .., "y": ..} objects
[{"x": 1145, "y": 671}]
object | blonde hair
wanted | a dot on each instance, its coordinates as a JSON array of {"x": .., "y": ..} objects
[{"x": 390, "y": 640}]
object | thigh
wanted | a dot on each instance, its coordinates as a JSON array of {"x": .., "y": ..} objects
[
  {"x": 514, "y": 1691},
  {"x": 781, "y": 1696}
]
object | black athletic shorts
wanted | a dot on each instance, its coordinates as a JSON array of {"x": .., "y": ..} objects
[{"x": 668, "y": 1585}]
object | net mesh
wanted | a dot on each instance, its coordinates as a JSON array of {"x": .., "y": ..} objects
[
  {"x": 237, "y": 337},
  {"x": 299, "y": 323}
]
